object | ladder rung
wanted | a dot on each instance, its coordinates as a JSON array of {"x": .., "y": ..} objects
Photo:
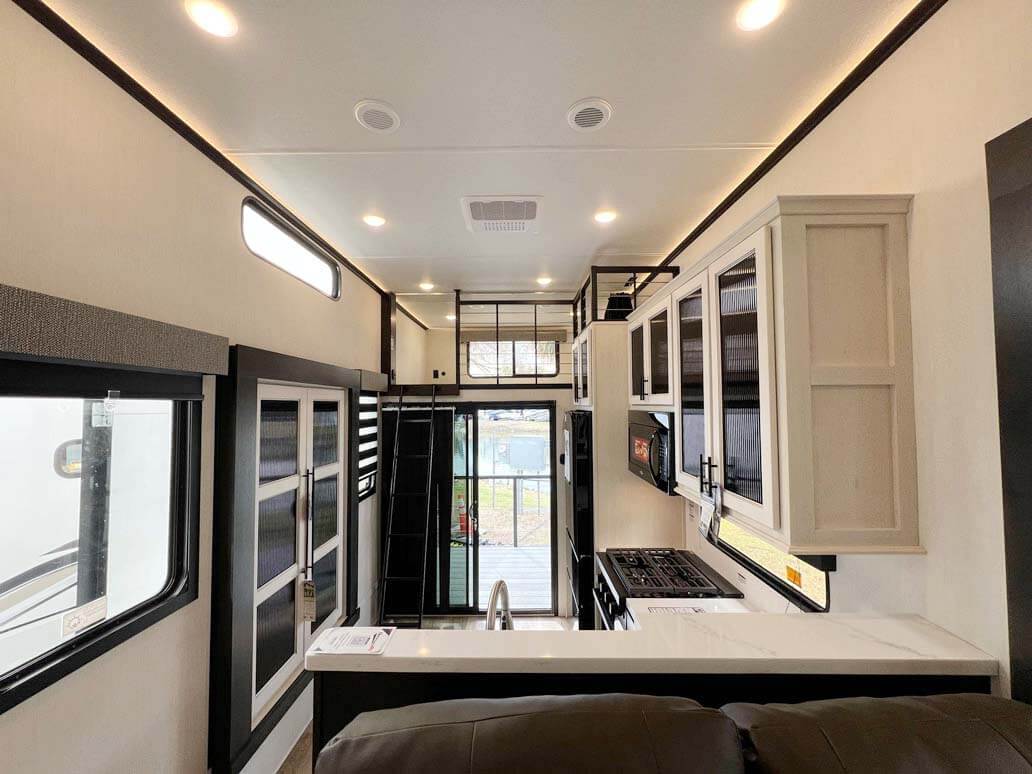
[
  {"x": 413, "y": 456},
  {"x": 422, "y": 493},
  {"x": 415, "y": 421},
  {"x": 405, "y": 534},
  {"x": 407, "y": 578}
]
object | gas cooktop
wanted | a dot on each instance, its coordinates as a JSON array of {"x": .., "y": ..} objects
[{"x": 666, "y": 572}]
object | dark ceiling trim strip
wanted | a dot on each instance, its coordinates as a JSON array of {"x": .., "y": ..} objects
[
  {"x": 78, "y": 43},
  {"x": 412, "y": 317},
  {"x": 899, "y": 35}
]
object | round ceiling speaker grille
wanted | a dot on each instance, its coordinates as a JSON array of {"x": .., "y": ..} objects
[
  {"x": 589, "y": 114},
  {"x": 377, "y": 116}
]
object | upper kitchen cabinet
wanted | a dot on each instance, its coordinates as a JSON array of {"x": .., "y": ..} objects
[
  {"x": 581, "y": 369},
  {"x": 793, "y": 376},
  {"x": 650, "y": 376}
]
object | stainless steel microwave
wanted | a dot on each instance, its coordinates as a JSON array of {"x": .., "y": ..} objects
[{"x": 650, "y": 448}]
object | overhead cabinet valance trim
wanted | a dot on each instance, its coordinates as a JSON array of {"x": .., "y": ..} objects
[{"x": 39, "y": 325}]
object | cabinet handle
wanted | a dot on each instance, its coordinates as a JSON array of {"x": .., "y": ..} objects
[
  {"x": 644, "y": 382},
  {"x": 310, "y": 538}
]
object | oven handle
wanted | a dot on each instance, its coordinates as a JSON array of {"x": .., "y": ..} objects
[{"x": 607, "y": 620}]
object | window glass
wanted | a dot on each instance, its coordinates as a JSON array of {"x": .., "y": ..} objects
[
  {"x": 790, "y": 571},
  {"x": 273, "y": 242},
  {"x": 659, "y": 354},
  {"x": 491, "y": 359},
  {"x": 85, "y": 516}
]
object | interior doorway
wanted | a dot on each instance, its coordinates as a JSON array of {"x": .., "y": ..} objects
[{"x": 503, "y": 521}]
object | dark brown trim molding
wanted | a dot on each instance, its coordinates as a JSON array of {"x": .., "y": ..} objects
[
  {"x": 412, "y": 317},
  {"x": 899, "y": 35}
]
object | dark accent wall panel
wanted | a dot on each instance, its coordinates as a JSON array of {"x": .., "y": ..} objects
[
  {"x": 1009, "y": 174},
  {"x": 39, "y": 325}
]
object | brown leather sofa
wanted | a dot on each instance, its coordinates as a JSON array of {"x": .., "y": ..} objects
[{"x": 625, "y": 733}]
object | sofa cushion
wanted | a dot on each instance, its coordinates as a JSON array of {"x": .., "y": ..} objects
[
  {"x": 611, "y": 732},
  {"x": 949, "y": 733}
]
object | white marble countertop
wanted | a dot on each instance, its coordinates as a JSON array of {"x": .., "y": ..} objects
[{"x": 701, "y": 643}]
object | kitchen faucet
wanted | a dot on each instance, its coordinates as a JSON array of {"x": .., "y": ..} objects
[{"x": 499, "y": 590}]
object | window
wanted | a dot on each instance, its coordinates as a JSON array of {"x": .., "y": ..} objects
[
  {"x": 797, "y": 579},
  {"x": 271, "y": 240},
  {"x": 368, "y": 445},
  {"x": 96, "y": 498},
  {"x": 491, "y": 359}
]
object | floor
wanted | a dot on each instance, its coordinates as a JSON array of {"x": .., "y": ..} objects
[
  {"x": 300, "y": 759},
  {"x": 526, "y": 570}
]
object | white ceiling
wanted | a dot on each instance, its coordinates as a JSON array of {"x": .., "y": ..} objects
[{"x": 482, "y": 88}]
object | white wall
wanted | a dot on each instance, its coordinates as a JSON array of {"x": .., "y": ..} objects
[
  {"x": 440, "y": 354},
  {"x": 100, "y": 202},
  {"x": 918, "y": 125},
  {"x": 410, "y": 364}
]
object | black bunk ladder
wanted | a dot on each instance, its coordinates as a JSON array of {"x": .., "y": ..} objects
[{"x": 404, "y": 565}]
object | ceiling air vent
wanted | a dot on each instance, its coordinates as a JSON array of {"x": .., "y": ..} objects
[
  {"x": 377, "y": 116},
  {"x": 502, "y": 214},
  {"x": 589, "y": 114}
]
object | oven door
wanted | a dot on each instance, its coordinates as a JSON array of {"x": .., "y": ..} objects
[{"x": 643, "y": 453}]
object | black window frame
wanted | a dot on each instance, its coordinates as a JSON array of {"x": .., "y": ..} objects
[
  {"x": 280, "y": 223},
  {"x": 52, "y": 379},
  {"x": 515, "y": 374}
]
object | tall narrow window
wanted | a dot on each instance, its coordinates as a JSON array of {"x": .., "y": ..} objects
[
  {"x": 740, "y": 380},
  {"x": 693, "y": 378},
  {"x": 272, "y": 241}
]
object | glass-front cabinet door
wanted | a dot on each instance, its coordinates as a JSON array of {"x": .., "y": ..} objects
[
  {"x": 658, "y": 360},
  {"x": 742, "y": 341},
  {"x": 299, "y": 530},
  {"x": 692, "y": 365},
  {"x": 636, "y": 350},
  {"x": 585, "y": 357}
]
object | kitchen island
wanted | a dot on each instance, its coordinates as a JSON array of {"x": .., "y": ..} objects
[{"x": 713, "y": 658}]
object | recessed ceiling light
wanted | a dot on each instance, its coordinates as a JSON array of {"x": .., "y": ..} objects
[
  {"x": 374, "y": 220},
  {"x": 450, "y": 317},
  {"x": 757, "y": 14},
  {"x": 212, "y": 17},
  {"x": 544, "y": 281},
  {"x": 427, "y": 286},
  {"x": 605, "y": 216}
]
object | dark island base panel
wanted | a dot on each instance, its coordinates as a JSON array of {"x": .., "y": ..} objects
[{"x": 341, "y": 696}]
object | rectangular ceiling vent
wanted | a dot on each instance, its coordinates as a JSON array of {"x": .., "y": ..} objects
[{"x": 502, "y": 214}]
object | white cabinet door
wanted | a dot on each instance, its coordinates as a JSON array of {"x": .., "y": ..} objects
[
  {"x": 298, "y": 531},
  {"x": 658, "y": 361},
  {"x": 693, "y": 365},
  {"x": 327, "y": 472},
  {"x": 636, "y": 377},
  {"x": 279, "y": 549},
  {"x": 742, "y": 357}
]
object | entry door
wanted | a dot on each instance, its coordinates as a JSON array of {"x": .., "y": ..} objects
[{"x": 503, "y": 509}]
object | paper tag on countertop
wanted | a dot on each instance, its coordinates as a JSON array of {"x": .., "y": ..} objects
[
  {"x": 308, "y": 600},
  {"x": 705, "y": 517},
  {"x": 359, "y": 640}
]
